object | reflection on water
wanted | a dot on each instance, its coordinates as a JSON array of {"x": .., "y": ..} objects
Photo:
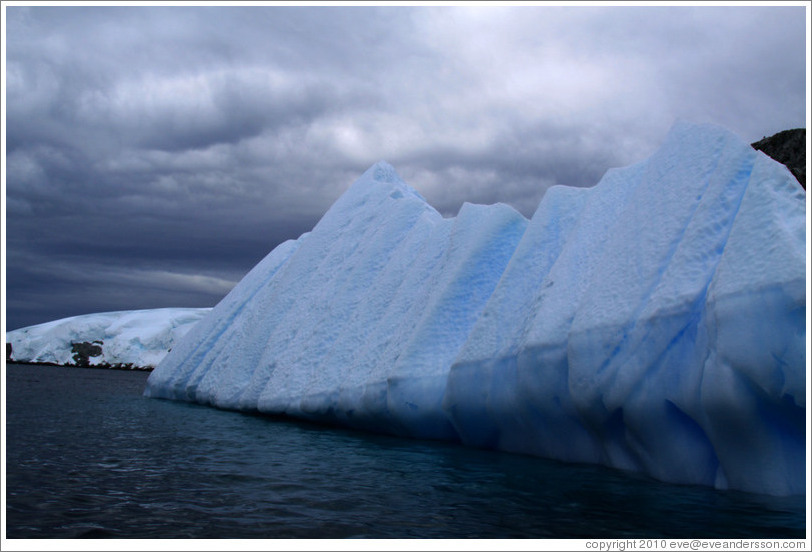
[{"x": 88, "y": 456}]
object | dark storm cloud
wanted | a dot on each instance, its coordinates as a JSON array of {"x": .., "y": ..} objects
[{"x": 155, "y": 154}]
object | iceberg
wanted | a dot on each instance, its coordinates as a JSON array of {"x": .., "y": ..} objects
[
  {"x": 131, "y": 339},
  {"x": 653, "y": 323}
]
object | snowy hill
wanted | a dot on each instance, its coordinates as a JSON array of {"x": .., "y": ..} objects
[
  {"x": 137, "y": 339},
  {"x": 654, "y": 322}
]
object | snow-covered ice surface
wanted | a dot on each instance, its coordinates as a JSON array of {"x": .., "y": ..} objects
[
  {"x": 654, "y": 322},
  {"x": 140, "y": 338}
]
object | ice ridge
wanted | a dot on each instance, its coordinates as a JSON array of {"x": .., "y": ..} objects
[{"x": 654, "y": 322}]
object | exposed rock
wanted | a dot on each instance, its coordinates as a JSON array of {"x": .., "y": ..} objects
[
  {"x": 83, "y": 351},
  {"x": 787, "y": 147}
]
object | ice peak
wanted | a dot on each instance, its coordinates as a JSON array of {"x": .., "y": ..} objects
[{"x": 384, "y": 173}]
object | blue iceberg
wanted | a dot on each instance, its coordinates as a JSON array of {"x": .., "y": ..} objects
[{"x": 653, "y": 323}]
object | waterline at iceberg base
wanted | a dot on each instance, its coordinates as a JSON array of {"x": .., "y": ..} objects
[{"x": 654, "y": 322}]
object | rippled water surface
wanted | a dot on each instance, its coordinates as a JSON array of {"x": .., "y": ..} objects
[{"x": 88, "y": 456}]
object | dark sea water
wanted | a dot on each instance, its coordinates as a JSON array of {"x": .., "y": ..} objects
[{"x": 88, "y": 456}]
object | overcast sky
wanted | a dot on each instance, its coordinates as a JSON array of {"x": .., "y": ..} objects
[{"x": 155, "y": 154}]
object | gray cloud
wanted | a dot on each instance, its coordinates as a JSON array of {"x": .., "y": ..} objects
[{"x": 155, "y": 154}]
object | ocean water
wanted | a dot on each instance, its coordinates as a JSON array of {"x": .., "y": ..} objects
[{"x": 88, "y": 456}]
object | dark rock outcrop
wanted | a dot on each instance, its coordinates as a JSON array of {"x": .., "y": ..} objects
[
  {"x": 83, "y": 351},
  {"x": 787, "y": 147}
]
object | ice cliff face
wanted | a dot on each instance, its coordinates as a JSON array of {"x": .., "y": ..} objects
[{"x": 655, "y": 322}]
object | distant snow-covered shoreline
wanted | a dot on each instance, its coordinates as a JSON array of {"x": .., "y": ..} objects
[
  {"x": 122, "y": 367},
  {"x": 126, "y": 340}
]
